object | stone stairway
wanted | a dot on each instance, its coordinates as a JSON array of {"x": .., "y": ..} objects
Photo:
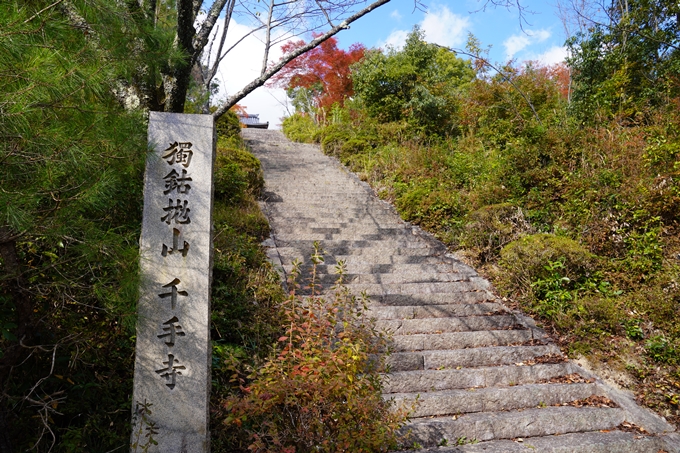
[{"x": 482, "y": 377}]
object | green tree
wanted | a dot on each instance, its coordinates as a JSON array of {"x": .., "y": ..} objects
[
  {"x": 178, "y": 32},
  {"x": 628, "y": 65},
  {"x": 70, "y": 209},
  {"x": 418, "y": 84}
]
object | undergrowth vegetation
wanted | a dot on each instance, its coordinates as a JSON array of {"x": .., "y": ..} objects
[
  {"x": 319, "y": 389},
  {"x": 290, "y": 373},
  {"x": 572, "y": 211}
]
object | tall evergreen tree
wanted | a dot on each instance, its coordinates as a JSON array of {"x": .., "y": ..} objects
[{"x": 72, "y": 163}]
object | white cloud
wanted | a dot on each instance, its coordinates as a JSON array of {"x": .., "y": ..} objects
[
  {"x": 516, "y": 43},
  {"x": 241, "y": 66},
  {"x": 556, "y": 54},
  {"x": 396, "y": 39},
  {"x": 396, "y": 15},
  {"x": 440, "y": 25},
  {"x": 443, "y": 27}
]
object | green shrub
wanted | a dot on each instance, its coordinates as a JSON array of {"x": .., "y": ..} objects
[
  {"x": 237, "y": 172},
  {"x": 228, "y": 125},
  {"x": 661, "y": 350},
  {"x": 490, "y": 228},
  {"x": 644, "y": 254},
  {"x": 301, "y": 128},
  {"x": 344, "y": 140},
  {"x": 533, "y": 258}
]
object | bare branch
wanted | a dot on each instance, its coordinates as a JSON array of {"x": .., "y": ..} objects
[
  {"x": 227, "y": 19},
  {"x": 258, "y": 82},
  {"x": 325, "y": 13},
  {"x": 268, "y": 39},
  {"x": 510, "y": 4},
  {"x": 201, "y": 38},
  {"x": 219, "y": 60}
]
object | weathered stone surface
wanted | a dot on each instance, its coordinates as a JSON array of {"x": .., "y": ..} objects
[
  {"x": 472, "y": 357},
  {"x": 434, "y": 311},
  {"x": 462, "y": 297},
  {"x": 486, "y": 426},
  {"x": 492, "y": 399},
  {"x": 375, "y": 289},
  {"x": 452, "y": 333},
  {"x": 460, "y": 340},
  {"x": 440, "y": 325},
  {"x": 173, "y": 352},
  {"x": 465, "y": 378},
  {"x": 410, "y": 269},
  {"x": 593, "y": 442}
]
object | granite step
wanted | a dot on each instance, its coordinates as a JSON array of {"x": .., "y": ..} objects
[
  {"x": 295, "y": 214},
  {"x": 467, "y": 378},
  {"x": 426, "y": 300},
  {"x": 301, "y": 221},
  {"x": 434, "y": 311},
  {"x": 370, "y": 258},
  {"x": 317, "y": 199},
  {"x": 342, "y": 195},
  {"x": 465, "y": 340},
  {"x": 477, "y": 357},
  {"x": 605, "y": 441},
  {"x": 445, "y": 288},
  {"x": 438, "y": 326},
  {"x": 340, "y": 212},
  {"x": 492, "y": 399},
  {"x": 300, "y": 231},
  {"x": 334, "y": 224},
  {"x": 351, "y": 246},
  {"x": 512, "y": 424},
  {"x": 413, "y": 269},
  {"x": 357, "y": 235},
  {"x": 395, "y": 278}
]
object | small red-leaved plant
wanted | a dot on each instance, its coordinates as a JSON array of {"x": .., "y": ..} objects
[{"x": 320, "y": 390}]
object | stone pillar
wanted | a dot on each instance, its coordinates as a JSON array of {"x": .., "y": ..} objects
[{"x": 173, "y": 354}]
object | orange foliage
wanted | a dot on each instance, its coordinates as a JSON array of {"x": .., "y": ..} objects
[
  {"x": 326, "y": 69},
  {"x": 239, "y": 109},
  {"x": 558, "y": 73}
]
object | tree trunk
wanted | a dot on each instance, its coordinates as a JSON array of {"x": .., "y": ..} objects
[{"x": 176, "y": 79}]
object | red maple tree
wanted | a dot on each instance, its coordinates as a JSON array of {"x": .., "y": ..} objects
[{"x": 324, "y": 69}]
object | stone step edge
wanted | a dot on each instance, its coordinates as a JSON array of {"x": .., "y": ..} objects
[
  {"x": 638, "y": 415},
  {"x": 556, "y": 369},
  {"x": 417, "y": 361},
  {"x": 491, "y": 399},
  {"x": 488, "y": 426},
  {"x": 564, "y": 443}
]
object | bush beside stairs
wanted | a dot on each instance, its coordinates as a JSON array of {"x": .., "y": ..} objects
[{"x": 483, "y": 378}]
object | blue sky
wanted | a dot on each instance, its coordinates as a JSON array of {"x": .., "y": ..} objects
[
  {"x": 449, "y": 22},
  {"x": 444, "y": 22}
]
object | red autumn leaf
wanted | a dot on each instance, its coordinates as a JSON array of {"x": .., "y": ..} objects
[{"x": 326, "y": 66}]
